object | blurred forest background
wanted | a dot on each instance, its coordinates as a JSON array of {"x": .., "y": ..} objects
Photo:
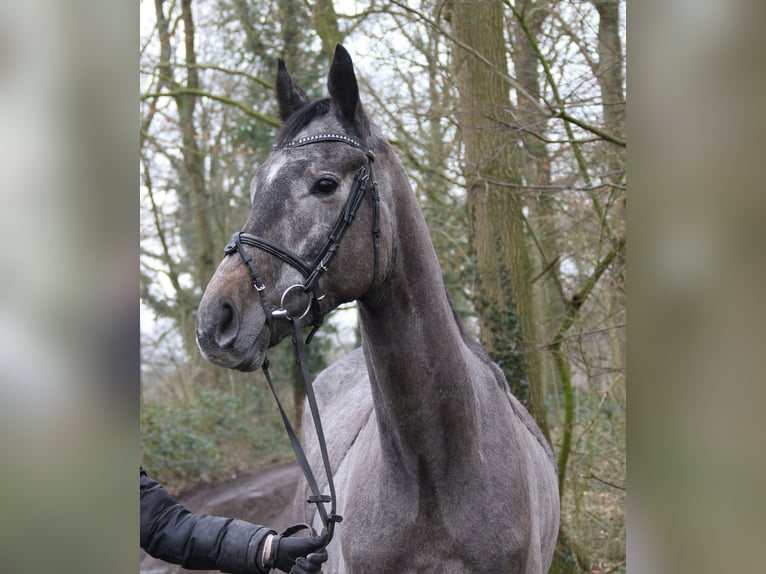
[{"x": 510, "y": 119}]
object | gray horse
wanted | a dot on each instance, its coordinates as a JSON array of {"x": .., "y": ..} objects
[{"x": 438, "y": 468}]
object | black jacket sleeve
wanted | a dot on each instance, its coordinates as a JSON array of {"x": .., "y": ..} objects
[{"x": 172, "y": 533}]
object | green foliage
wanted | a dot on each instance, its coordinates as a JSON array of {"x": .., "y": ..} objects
[
  {"x": 173, "y": 445},
  {"x": 211, "y": 436}
]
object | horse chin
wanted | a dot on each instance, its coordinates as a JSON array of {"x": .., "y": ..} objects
[{"x": 254, "y": 357}]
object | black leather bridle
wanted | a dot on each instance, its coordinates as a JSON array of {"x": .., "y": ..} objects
[{"x": 312, "y": 271}]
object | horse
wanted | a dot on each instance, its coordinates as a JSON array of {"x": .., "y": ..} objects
[{"x": 438, "y": 467}]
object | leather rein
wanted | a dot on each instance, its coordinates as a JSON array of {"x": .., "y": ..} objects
[{"x": 312, "y": 271}]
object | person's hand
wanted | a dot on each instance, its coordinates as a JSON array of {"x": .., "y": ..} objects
[
  {"x": 286, "y": 550},
  {"x": 311, "y": 564}
]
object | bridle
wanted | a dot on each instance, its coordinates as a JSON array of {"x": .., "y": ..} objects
[{"x": 312, "y": 271}]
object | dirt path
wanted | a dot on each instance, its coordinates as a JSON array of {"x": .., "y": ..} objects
[{"x": 263, "y": 497}]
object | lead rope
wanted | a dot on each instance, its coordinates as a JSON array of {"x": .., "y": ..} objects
[{"x": 329, "y": 519}]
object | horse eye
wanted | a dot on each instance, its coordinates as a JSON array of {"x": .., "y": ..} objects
[{"x": 325, "y": 186}]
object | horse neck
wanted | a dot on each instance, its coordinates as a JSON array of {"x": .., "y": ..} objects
[{"x": 418, "y": 362}]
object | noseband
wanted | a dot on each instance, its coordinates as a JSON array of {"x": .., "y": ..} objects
[{"x": 313, "y": 270}]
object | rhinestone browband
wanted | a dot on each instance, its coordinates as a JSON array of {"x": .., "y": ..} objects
[{"x": 323, "y": 137}]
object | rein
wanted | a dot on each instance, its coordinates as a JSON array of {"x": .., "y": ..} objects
[
  {"x": 311, "y": 271},
  {"x": 328, "y": 518}
]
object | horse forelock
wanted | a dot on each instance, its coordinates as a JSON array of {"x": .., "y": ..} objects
[{"x": 301, "y": 119}]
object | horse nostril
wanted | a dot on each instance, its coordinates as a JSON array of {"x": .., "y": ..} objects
[{"x": 228, "y": 323}]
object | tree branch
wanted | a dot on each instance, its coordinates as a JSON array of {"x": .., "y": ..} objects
[
  {"x": 547, "y": 110},
  {"x": 573, "y": 307},
  {"x": 180, "y": 91},
  {"x": 606, "y": 482},
  {"x": 592, "y": 129},
  {"x": 560, "y": 113},
  {"x": 255, "y": 79}
]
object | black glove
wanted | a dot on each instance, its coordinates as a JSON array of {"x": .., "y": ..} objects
[
  {"x": 285, "y": 550},
  {"x": 311, "y": 564}
]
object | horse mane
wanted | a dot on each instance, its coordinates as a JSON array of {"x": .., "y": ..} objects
[
  {"x": 302, "y": 117},
  {"x": 474, "y": 345},
  {"x": 522, "y": 413}
]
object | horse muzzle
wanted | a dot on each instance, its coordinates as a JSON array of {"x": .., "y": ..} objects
[{"x": 231, "y": 335}]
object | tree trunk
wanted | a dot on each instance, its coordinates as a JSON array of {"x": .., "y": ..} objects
[
  {"x": 193, "y": 158},
  {"x": 609, "y": 71},
  {"x": 532, "y": 121},
  {"x": 536, "y": 170},
  {"x": 493, "y": 160},
  {"x": 200, "y": 247},
  {"x": 326, "y": 26}
]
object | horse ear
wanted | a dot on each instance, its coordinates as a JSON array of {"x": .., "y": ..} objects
[
  {"x": 341, "y": 82},
  {"x": 290, "y": 96}
]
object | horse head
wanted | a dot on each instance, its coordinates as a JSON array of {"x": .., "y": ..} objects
[{"x": 298, "y": 256}]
